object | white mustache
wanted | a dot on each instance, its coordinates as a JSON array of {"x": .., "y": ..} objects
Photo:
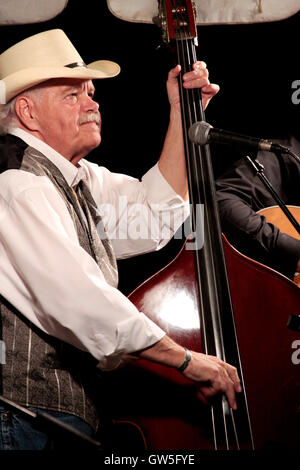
[{"x": 90, "y": 117}]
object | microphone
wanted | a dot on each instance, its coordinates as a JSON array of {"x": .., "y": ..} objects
[{"x": 202, "y": 133}]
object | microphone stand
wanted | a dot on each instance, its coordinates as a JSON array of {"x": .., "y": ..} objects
[
  {"x": 54, "y": 425},
  {"x": 259, "y": 170}
]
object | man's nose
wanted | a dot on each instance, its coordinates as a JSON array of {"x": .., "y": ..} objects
[{"x": 90, "y": 104}]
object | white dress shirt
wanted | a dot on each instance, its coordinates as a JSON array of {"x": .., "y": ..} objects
[{"x": 53, "y": 281}]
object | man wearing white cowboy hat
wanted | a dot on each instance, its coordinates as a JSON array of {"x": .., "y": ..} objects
[{"x": 62, "y": 315}]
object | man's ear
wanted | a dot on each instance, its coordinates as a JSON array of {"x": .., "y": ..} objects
[{"x": 25, "y": 110}]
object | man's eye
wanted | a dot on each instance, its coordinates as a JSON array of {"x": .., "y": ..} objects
[{"x": 72, "y": 96}]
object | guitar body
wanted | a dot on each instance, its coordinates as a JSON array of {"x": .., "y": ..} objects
[{"x": 274, "y": 215}]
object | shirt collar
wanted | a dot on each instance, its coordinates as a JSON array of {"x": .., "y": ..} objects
[{"x": 71, "y": 173}]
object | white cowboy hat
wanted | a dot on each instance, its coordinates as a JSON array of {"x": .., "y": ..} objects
[{"x": 43, "y": 56}]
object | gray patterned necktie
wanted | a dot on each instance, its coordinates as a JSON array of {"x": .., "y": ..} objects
[{"x": 99, "y": 242}]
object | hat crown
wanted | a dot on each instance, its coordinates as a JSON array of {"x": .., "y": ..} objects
[
  {"x": 45, "y": 56},
  {"x": 48, "y": 49}
]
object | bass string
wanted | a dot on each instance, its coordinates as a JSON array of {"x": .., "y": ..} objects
[
  {"x": 187, "y": 119},
  {"x": 225, "y": 408},
  {"x": 193, "y": 110}
]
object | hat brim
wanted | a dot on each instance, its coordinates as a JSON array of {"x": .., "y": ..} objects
[{"x": 27, "y": 78}]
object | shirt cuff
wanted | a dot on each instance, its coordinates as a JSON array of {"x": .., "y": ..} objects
[{"x": 132, "y": 335}]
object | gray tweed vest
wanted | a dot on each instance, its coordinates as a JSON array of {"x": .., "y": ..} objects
[{"x": 40, "y": 370}]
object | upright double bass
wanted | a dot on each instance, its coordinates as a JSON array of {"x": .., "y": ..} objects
[{"x": 213, "y": 300}]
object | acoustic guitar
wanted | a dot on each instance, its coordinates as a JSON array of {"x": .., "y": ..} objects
[{"x": 275, "y": 216}]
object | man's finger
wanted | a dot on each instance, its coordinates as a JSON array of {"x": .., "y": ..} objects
[
  {"x": 232, "y": 372},
  {"x": 173, "y": 73}
]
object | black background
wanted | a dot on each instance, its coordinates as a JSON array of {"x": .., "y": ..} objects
[{"x": 254, "y": 64}]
